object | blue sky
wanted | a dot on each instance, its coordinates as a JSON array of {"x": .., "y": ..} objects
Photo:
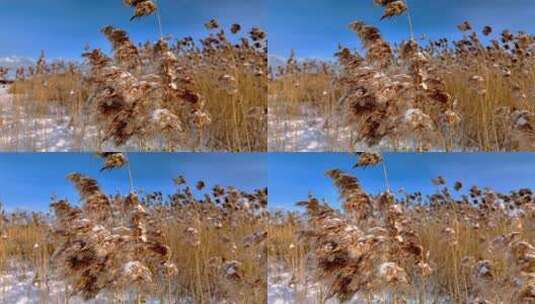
[
  {"x": 292, "y": 176},
  {"x": 312, "y": 27},
  {"x": 29, "y": 179},
  {"x": 315, "y": 27},
  {"x": 63, "y": 27}
]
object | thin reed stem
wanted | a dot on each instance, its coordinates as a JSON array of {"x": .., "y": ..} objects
[
  {"x": 385, "y": 172},
  {"x": 130, "y": 179},
  {"x": 409, "y": 17},
  {"x": 159, "y": 19}
]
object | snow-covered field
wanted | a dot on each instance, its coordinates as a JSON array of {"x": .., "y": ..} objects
[
  {"x": 23, "y": 128},
  {"x": 310, "y": 130},
  {"x": 306, "y": 131},
  {"x": 21, "y": 285},
  {"x": 284, "y": 288},
  {"x": 52, "y": 131}
]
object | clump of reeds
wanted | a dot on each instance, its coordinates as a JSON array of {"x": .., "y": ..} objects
[
  {"x": 455, "y": 245},
  {"x": 442, "y": 95},
  {"x": 108, "y": 244},
  {"x": 162, "y": 97},
  {"x": 371, "y": 251},
  {"x": 141, "y": 8},
  {"x": 367, "y": 159},
  {"x": 168, "y": 94},
  {"x": 225, "y": 233},
  {"x": 3, "y": 73}
]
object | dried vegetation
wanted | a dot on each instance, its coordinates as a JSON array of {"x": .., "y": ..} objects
[
  {"x": 183, "y": 247},
  {"x": 172, "y": 94},
  {"x": 437, "y": 95},
  {"x": 454, "y": 246}
]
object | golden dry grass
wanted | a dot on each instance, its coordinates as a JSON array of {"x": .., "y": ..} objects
[
  {"x": 178, "y": 247},
  {"x": 458, "y": 245},
  {"x": 441, "y": 95},
  {"x": 167, "y": 95}
]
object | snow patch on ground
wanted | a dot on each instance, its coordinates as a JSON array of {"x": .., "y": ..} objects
[
  {"x": 50, "y": 130},
  {"x": 306, "y": 131},
  {"x": 283, "y": 288},
  {"x": 22, "y": 286}
]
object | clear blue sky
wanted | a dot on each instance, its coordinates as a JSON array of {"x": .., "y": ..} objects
[
  {"x": 63, "y": 27},
  {"x": 293, "y": 176},
  {"x": 28, "y": 180},
  {"x": 315, "y": 27}
]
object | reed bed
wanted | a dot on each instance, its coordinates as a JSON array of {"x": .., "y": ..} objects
[
  {"x": 458, "y": 245},
  {"x": 441, "y": 95},
  {"x": 170, "y": 94},
  {"x": 180, "y": 248}
]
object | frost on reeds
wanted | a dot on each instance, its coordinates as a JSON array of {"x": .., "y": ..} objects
[
  {"x": 388, "y": 100},
  {"x": 474, "y": 246},
  {"x": 207, "y": 248},
  {"x": 409, "y": 93},
  {"x": 171, "y": 94},
  {"x": 464, "y": 94},
  {"x": 108, "y": 244},
  {"x": 155, "y": 90},
  {"x": 133, "y": 103},
  {"x": 374, "y": 249},
  {"x": 141, "y": 7}
]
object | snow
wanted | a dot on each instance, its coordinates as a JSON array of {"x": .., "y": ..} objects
[
  {"x": 21, "y": 285},
  {"x": 283, "y": 288},
  {"x": 306, "y": 131},
  {"x": 46, "y": 130}
]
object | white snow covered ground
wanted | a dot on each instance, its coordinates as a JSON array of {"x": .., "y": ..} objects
[
  {"x": 306, "y": 131},
  {"x": 310, "y": 130},
  {"x": 283, "y": 288},
  {"x": 20, "y": 285},
  {"x": 52, "y": 131}
]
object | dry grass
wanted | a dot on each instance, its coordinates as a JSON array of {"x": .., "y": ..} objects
[
  {"x": 440, "y": 95},
  {"x": 457, "y": 246},
  {"x": 125, "y": 248},
  {"x": 165, "y": 95},
  {"x": 305, "y": 95}
]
